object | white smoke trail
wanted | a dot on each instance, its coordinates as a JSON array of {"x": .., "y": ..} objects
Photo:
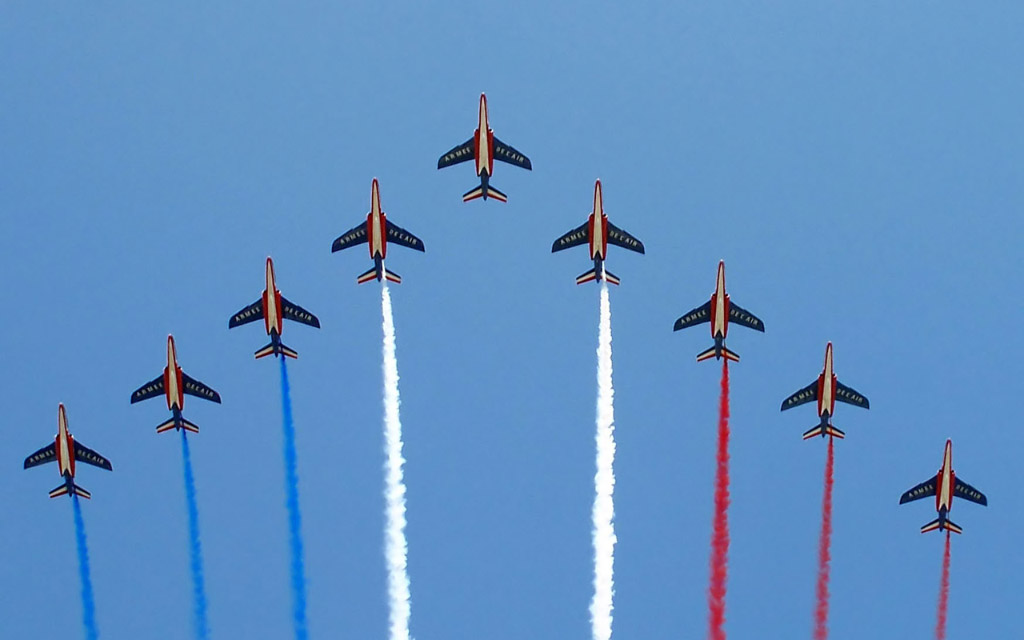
[
  {"x": 395, "y": 549},
  {"x": 604, "y": 480}
]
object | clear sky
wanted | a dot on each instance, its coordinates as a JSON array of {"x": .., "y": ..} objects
[{"x": 856, "y": 164}]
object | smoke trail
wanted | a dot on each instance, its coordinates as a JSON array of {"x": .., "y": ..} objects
[
  {"x": 88, "y": 605},
  {"x": 291, "y": 481},
  {"x": 824, "y": 551},
  {"x": 720, "y": 533},
  {"x": 940, "y": 624},
  {"x": 396, "y": 549},
  {"x": 195, "y": 549},
  {"x": 604, "y": 480}
]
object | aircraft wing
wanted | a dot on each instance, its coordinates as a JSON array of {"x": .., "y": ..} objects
[
  {"x": 88, "y": 456},
  {"x": 849, "y": 396},
  {"x": 398, "y": 235},
  {"x": 461, "y": 153},
  {"x": 295, "y": 313},
  {"x": 739, "y": 315},
  {"x": 195, "y": 388},
  {"x": 924, "y": 490},
  {"x": 620, "y": 238},
  {"x": 576, "y": 237},
  {"x": 963, "y": 490},
  {"x": 803, "y": 396},
  {"x": 694, "y": 317},
  {"x": 149, "y": 390},
  {"x": 249, "y": 314},
  {"x": 44, "y": 455},
  {"x": 352, "y": 237},
  {"x": 505, "y": 153}
]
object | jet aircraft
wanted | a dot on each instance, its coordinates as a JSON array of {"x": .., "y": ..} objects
[
  {"x": 274, "y": 309},
  {"x": 376, "y": 232},
  {"x": 944, "y": 486},
  {"x": 173, "y": 384},
  {"x": 598, "y": 232},
  {"x": 484, "y": 148},
  {"x": 65, "y": 451},
  {"x": 826, "y": 390},
  {"x": 719, "y": 311}
]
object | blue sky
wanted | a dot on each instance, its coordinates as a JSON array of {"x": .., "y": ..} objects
[{"x": 857, "y": 165}]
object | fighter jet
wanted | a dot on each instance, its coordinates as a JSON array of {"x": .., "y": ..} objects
[
  {"x": 376, "y": 231},
  {"x": 598, "y": 232},
  {"x": 826, "y": 390},
  {"x": 66, "y": 451},
  {"x": 719, "y": 311},
  {"x": 174, "y": 383},
  {"x": 944, "y": 486},
  {"x": 274, "y": 309},
  {"x": 485, "y": 149}
]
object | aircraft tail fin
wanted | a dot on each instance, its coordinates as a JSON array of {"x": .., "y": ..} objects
[
  {"x": 367, "y": 276},
  {"x": 481, "y": 192},
  {"x": 63, "y": 490},
  {"x": 392, "y": 277},
  {"x": 166, "y": 426},
  {"x": 276, "y": 349},
  {"x": 937, "y": 523},
  {"x": 704, "y": 355},
  {"x": 827, "y": 430},
  {"x": 730, "y": 355},
  {"x": 610, "y": 277}
]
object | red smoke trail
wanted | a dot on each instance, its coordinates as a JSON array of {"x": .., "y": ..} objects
[
  {"x": 824, "y": 551},
  {"x": 720, "y": 534},
  {"x": 940, "y": 625}
]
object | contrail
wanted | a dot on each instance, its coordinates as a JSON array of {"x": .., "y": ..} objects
[
  {"x": 291, "y": 481},
  {"x": 824, "y": 551},
  {"x": 88, "y": 605},
  {"x": 940, "y": 624},
  {"x": 396, "y": 549},
  {"x": 720, "y": 530},
  {"x": 604, "y": 480},
  {"x": 194, "y": 547}
]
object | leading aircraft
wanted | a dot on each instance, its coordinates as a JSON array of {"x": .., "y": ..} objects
[
  {"x": 274, "y": 309},
  {"x": 65, "y": 450},
  {"x": 944, "y": 486},
  {"x": 719, "y": 311},
  {"x": 376, "y": 232},
  {"x": 484, "y": 148},
  {"x": 599, "y": 233},
  {"x": 173, "y": 384},
  {"x": 826, "y": 390}
]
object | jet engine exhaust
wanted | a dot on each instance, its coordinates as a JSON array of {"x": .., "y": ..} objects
[
  {"x": 720, "y": 527},
  {"x": 294, "y": 515},
  {"x": 195, "y": 548},
  {"x": 824, "y": 550},
  {"x": 88, "y": 604},
  {"x": 396, "y": 547},
  {"x": 940, "y": 623},
  {"x": 604, "y": 480}
]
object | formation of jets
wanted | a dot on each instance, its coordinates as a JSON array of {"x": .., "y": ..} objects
[{"x": 483, "y": 148}]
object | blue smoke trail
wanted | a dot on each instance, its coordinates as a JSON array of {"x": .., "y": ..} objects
[
  {"x": 194, "y": 547},
  {"x": 291, "y": 481},
  {"x": 88, "y": 606}
]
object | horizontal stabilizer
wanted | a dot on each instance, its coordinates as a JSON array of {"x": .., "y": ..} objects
[
  {"x": 610, "y": 277},
  {"x": 586, "y": 277},
  {"x": 730, "y": 355},
  {"x": 180, "y": 423},
  {"x": 62, "y": 490},
  {"x": 827, "y": 430},
  {"x": 479, "y": 192},
  {"x": 166, "y": 426},
  {"x": 704, "y": 355},
  {"x": 392, "y": 277},
  {"x": 934, "y": 525},
  {"x": 278, "y": 349},
  {"x": 367, "y": 276}
]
